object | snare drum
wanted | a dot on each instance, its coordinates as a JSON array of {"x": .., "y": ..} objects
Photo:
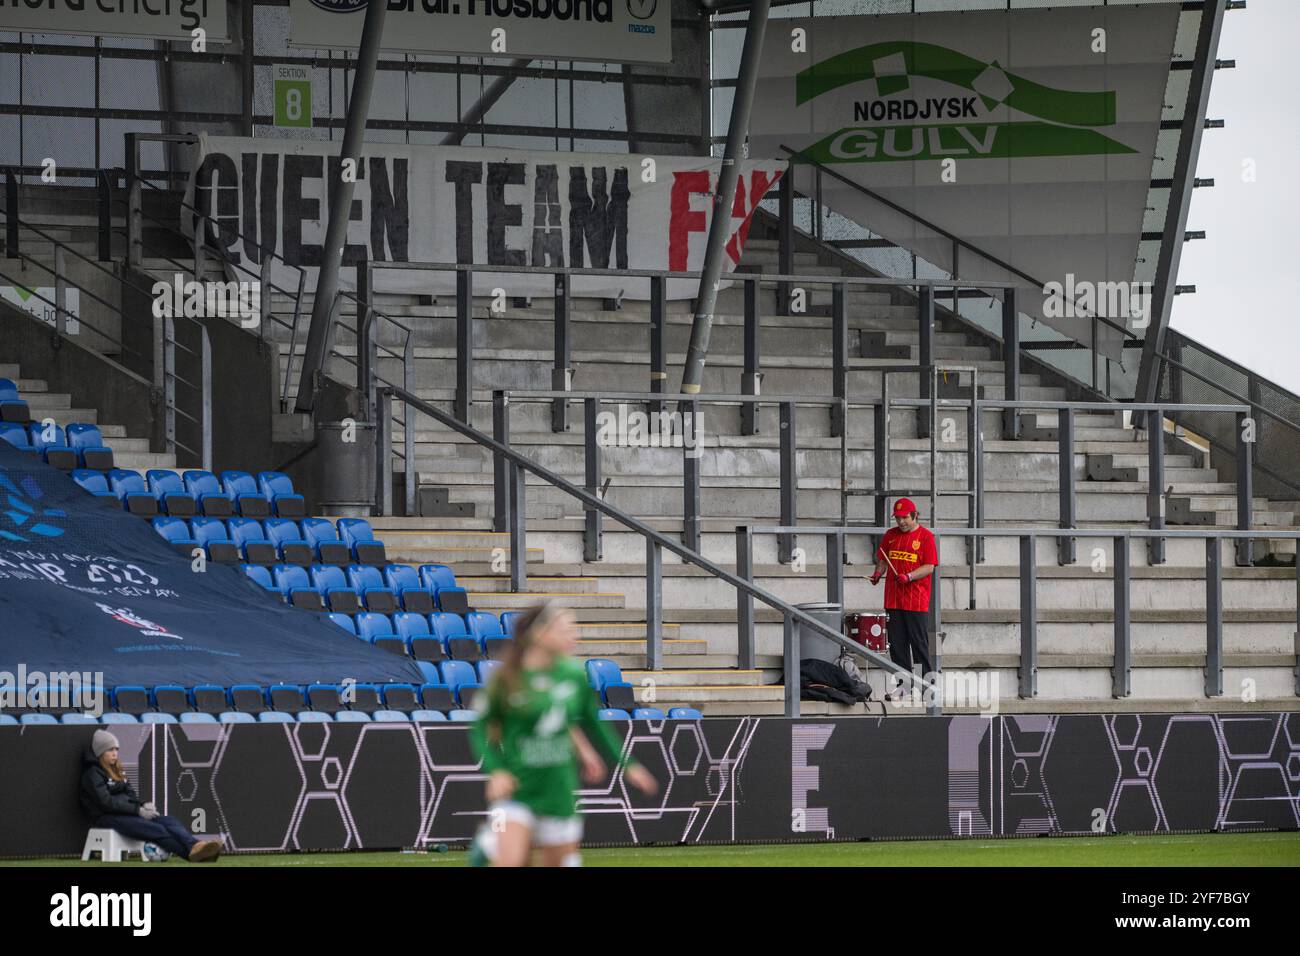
[{"x": 869, "y": 629}]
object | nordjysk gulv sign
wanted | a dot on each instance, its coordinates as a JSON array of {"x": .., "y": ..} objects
[{"x": 1029, "y": 134}]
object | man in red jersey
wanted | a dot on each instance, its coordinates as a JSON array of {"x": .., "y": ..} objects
[{"x": 906, "y": 558}]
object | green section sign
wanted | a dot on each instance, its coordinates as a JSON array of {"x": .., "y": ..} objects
[{"x": 292, "y": 93}]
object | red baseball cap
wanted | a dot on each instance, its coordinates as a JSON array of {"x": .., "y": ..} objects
[{"x": 904, "y": 507}]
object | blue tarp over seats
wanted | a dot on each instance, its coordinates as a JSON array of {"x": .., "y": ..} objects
[{"x": 87, "y": 587}]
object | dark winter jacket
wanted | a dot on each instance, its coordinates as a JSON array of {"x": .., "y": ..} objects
[
  {"x": 100, "y": 794},
  {"x": 822, "y": 680}
]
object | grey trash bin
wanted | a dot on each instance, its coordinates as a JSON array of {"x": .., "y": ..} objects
[
  {"x": 814, "y": 645},
  {"x": 346, "y": 469}
]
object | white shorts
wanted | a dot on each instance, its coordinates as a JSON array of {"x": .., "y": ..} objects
[{"x": 547, "y": 831}]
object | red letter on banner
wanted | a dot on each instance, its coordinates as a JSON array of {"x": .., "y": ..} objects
[{"x": 682, "y": 220}]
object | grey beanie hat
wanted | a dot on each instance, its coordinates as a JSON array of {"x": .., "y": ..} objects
[{"x": 102, "y": 742}]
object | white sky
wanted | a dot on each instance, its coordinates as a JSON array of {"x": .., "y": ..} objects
[{"x": 1247, "y": 269}]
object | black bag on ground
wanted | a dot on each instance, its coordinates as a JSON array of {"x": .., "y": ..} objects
[{"x": 823, "y": 680}]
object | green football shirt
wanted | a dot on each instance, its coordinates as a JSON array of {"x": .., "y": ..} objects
[{"x": 531, "y": 738}]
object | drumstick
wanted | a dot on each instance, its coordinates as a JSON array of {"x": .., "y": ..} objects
[{"x": 891, "y": 565}]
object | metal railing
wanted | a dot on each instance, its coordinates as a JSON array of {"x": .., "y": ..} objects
[
  {"x": 518, "y": 467},
  {"x": 1122, "y": 647},
  {"x": 786, "y": 231},
  {"x": 163, "y": 361},
  {"x": 1277, "y": 444},
  {"x": 203, "y": 229}
]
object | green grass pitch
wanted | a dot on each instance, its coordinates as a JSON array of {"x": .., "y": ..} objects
[{"x": 1203, "y": 849}]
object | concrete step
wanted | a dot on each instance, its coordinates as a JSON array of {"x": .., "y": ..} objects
[
  {"x": 508, "y": 601},
  {"x": 476, "y": 584},
  {"x": 679, "y": 677}
]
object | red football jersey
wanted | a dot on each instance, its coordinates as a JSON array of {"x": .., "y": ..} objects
[{"x": 907, "y": 551}]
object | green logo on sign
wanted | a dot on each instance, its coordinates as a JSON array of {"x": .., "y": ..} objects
[{"x": 1065, "y": 124}]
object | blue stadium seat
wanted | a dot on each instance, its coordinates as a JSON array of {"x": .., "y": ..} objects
[
  {"x": 169, "y": 698},
  {"x": 260, "y": 574},
  {"x": 437, "y": 576},
  {"x": 607, "y": 680},
  {"x": 612, "y": 713},
  {"x": 286, "y": 698},
  {"x": 87, "y": 441},
  {"x": 214, "y": 537},
  {"x": 73, "y": 717},
  {"x": 290, "y": 545},
  {"x": 343, "y": 621},
  {"x": 236, "y": 717},
  {"x": 8, "y": 720},
  {"x": 132, "y": 492},
  {"x": 16, "y": 434},
  {"x": 452, "y": 600},
  {"x": 361, "y": 541},
  {"x": 463, "y": 716},
  {"x": 378, "y": 630},
  {"x": 435, "y": 695},
  {"x": 242, "y": 489},
  {"x": 277, "y": 488},
  {"x": 427, "y": 716},
  {"x": 333, "y": 585},
  {"x": 169, "y": 490},
  {"x": 647, "y": 713},
  {"x": 414, "y": 630},
  {"x": 485, "y": 669},
  {"x": 313, "y": 717},
  {"x": 51, "y": 443},
  {"x": 352, "y": 717},
  {"x": 400, "y": 697},
  {"x": 247, "y": 698},
  {"x": 29, "y": 719},
  {"x": 447, "y": 594},
  {"x": 296, "y": 587},
  {"x": 390, "y": 717},
  {"x": 213, "y": 502},
  {"x": 130, "y": 699},
  {"x": 456, "y": 639},
  {"x": 156, "y": 718},
  {"x": 508, "y": 619},
  {"x": 324, "y": 697},
  {"x": 275, "y": 717},
  {"x": 601, "y": 671},
  {"x": 250, "y": 537},
  {"x": 329, "y": 548},
  {"x": 194, "y": 717},
  {"x": 482, "y": 624},
  {"x": 113, "y": 717},
  {"x": 496, "y": 648},
  {"x": 176, "y": 533},
  {"x": 365, "y": 697},
  {"x": 413, "y": 594},
  {"x": 369, "y": 583},
  {"x": 94, "y": 482},
  {"x": 12, "y": 407},
  {"x": 209, "y": 698},
  {"x": 684, "y": 713},
  {"x": 460, "y": 679}
]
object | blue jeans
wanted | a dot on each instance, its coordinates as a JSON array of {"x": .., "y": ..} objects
[{"x": 168, "y": 832}]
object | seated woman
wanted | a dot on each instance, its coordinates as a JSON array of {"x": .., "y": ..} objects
[{"x": 112, "y": 803}]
